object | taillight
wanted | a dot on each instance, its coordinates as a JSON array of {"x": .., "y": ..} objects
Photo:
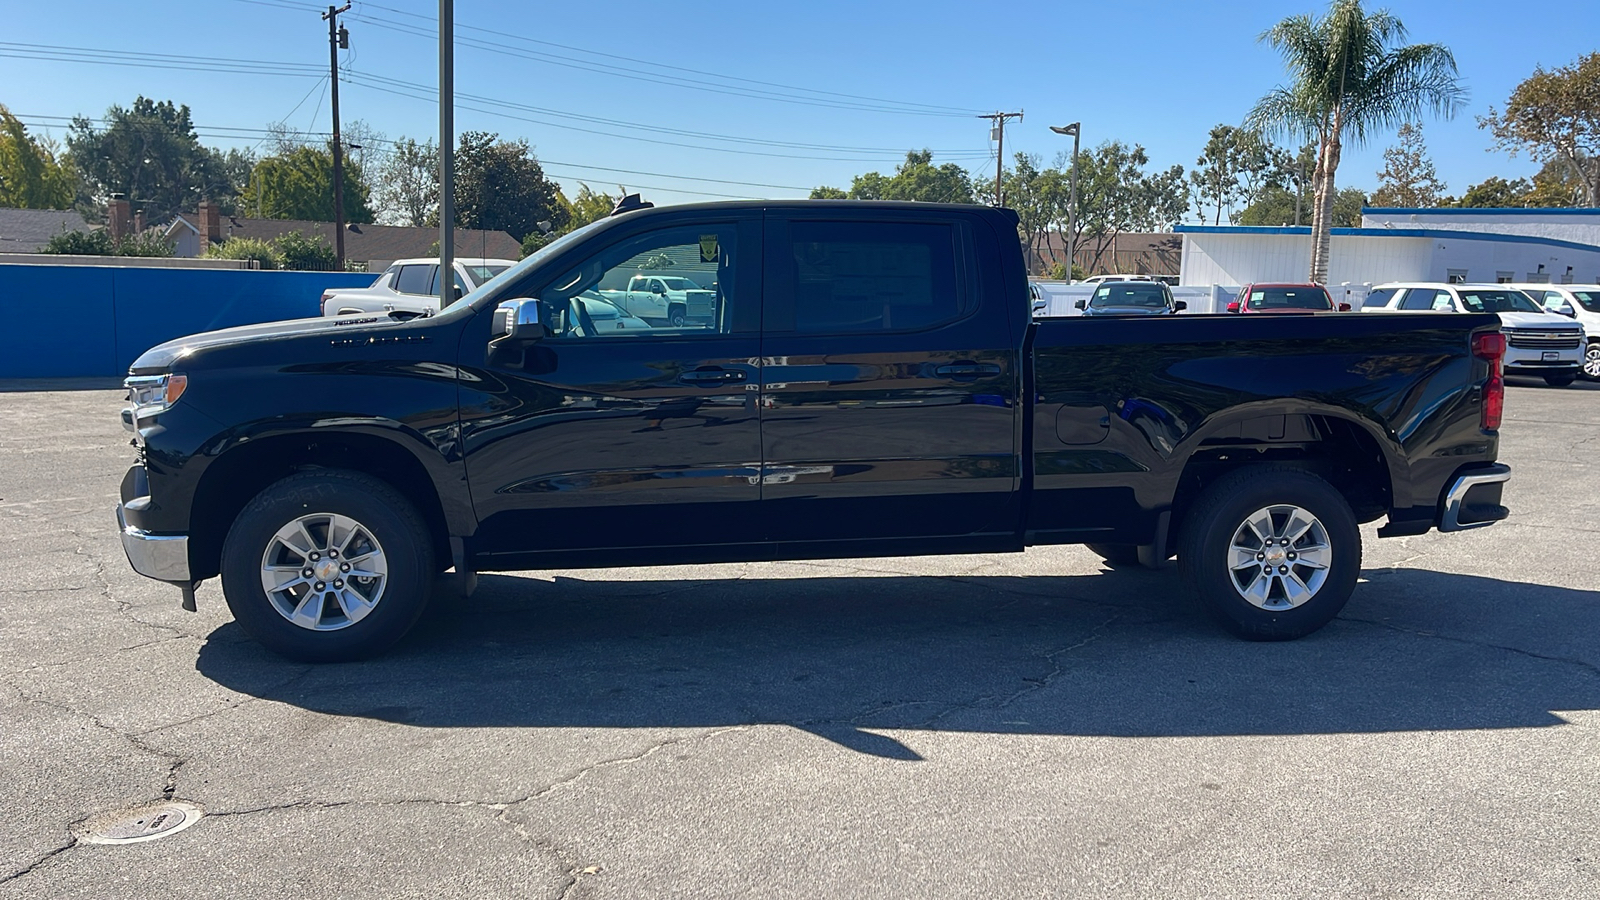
[{"x": 1490, "y": 346}]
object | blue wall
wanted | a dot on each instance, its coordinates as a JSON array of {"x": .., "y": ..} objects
[{"x": 61, "y": 321}]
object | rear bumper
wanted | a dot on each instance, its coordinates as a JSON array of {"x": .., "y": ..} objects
[{"x": 1473, "y": 498}]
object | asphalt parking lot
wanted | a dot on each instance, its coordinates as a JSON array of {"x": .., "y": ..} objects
[{"x": 983, "y": 726}]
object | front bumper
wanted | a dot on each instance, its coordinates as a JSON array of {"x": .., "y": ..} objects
[{"x": 164, "y": 557}]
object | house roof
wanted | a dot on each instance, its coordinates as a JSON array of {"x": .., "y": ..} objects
[
  {"x": 28, "y": 230},
  {"x": 365, "y": 242}
]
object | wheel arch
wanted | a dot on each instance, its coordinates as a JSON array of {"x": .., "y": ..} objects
[{"x": 248, "y": 467}]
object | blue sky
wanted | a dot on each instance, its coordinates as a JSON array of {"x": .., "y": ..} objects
[{"x": 1160, "y": 74}]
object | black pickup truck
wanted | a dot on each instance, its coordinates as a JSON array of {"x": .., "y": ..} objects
[{"x": 871, "y": 382}]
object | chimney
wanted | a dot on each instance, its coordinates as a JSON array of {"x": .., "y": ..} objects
[
  {"x": 118, "y": 219},
  {"x": 138, "y": 221},
  {"x": 210, "y": 225}
]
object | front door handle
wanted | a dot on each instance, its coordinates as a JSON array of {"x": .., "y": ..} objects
[
  {"x": 712, "y": 376},
  {"x": 966, "y": 370}
]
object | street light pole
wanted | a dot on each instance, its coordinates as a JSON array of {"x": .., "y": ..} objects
[
  {"x": 447, "y": 160},
  {"x": 1072, "y": 202}
]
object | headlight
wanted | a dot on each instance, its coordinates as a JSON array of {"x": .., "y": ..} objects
[{"x": 151, "y": 395}]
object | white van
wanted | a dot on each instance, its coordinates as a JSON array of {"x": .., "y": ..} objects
[
  {"x": 1581, "y": 302},
  {"x": 1538, "y": 343}
]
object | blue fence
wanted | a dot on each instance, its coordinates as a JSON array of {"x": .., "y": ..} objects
[{"x": 63, "y": 321}]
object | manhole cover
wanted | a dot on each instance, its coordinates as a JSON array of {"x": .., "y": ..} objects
[{"x": 146, "y": 823}]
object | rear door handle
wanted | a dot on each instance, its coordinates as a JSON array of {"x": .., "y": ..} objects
[
  {"x": 711, "y": 376},
  {"x": 966, "y": 370}
]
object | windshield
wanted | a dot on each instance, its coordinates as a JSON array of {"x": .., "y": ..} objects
[
  {"x": 480, "y": 274},
  {"x": 1505, "y": 300},
  {"x": 497, "y": 293},
  {"x": 1589, "y": 300},
  {"x": 1146, "y": 295},
  {"x": 1289, "y": 298}
]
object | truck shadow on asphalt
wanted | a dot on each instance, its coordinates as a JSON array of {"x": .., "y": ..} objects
[{"x": 849, "y": 658}]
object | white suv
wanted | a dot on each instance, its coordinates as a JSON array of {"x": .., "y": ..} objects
[
  {"x": 1581, "y": 302},
  {"x": 1538, "y": 343},
  {"x": 411, "y": 286}
]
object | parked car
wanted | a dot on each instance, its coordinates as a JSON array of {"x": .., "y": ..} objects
[
  {"x": 1284, "y": 298},
  {"x": 1577, "y": 301},
  {"x": 411, "y": 286},
  {"x": 1101, "y": 279},
  {"x": 1131, "y": 298},
  {"x": 671, "y": 300},
  {"x": 865, "y": 391},
  {"x": 1539, "y": 343}
]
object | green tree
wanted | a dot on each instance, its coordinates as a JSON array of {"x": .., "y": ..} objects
[
  {"x": 1039, "y": 197},
  {"x": 1494, "y": 192},
  {"x": 149, "y": 152},
  {"x": 406, "y": 189},
  {"x": 299, "y": 185},
  {"x": 1408, "y": 177},
  {"x": 1116, "y": 195},
  {"x": 31, "y": 177},
  {"x": 1215, "y": 177},
  {"x": 915, "y": 179},
  {"x": 587, "y": 206},
  {"x": 1348, "y": 80},
  {"x": 500, "y": 186},
  {"x": 1555, "y": 116}
]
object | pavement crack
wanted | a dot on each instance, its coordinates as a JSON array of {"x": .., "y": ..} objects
[
  {"x": 1034, "y": 685},
  {"x": 71, "y": 842},
  {"x": 1585, "y": 665}
]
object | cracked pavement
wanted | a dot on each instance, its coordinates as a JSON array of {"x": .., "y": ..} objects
[{"x": 1015, "y": 725}]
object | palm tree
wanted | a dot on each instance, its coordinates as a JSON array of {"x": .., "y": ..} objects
[{"x": 1349, "y": 80}]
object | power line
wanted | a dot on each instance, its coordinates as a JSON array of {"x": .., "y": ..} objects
[{"x": 785, "y": 93}]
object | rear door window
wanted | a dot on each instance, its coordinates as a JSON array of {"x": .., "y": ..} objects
[
  {"x": 1379, "y": 299},
  {"x": 873, "y": 276},
  {"x": 1417, "y": 299},
  {"x": 415, "y": 279}
]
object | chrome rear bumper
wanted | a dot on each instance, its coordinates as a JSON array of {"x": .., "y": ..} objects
[
  {"x": 164, "y": 557},
  {"x": 1459, "y": 514}
]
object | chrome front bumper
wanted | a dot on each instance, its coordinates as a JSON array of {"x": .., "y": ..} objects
[
  {"x": 164, "y": 557},
  {"x": 1484, "y": 509}
]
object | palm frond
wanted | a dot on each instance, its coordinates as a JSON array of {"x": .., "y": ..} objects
[{"x": 1404, "y": 85}]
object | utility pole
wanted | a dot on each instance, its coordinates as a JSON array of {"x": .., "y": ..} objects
[
  {"x": 1075, "y": 129},
  {"x": 998, "y": 131},
  {"x": 338, "y": 39},
  {"x": 447, "y": 151}
]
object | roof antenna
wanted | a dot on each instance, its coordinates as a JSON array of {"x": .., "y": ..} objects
[{"x": 629, "y": 203}]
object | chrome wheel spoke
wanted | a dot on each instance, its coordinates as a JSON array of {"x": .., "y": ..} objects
[
  {"x": 301, "y": 573},
  {"x": 1279, "y": 557}
]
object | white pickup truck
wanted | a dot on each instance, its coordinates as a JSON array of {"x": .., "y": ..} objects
[
  {"x": 411, "y": 286},
  {"x": 670, "y": 300}
]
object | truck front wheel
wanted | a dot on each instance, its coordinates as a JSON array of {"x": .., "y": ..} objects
[
  {"x": 1272, "y": 551},
  {"x": 327, "y": 566}
]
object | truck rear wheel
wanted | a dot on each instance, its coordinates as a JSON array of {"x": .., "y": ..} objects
[
  {"x": 1272, "y": 551},
  {"x": 327, "y": 566},
  {"x": 1591, "y": 361},
  {"x": 676, "y": 317}
]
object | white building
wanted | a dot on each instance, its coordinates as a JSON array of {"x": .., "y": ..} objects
[{"x": 1460, "y": 245}]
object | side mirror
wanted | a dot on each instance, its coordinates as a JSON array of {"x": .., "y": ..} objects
[
  {"x": 1040, "y": 306},
  {"x": 1569, "y": 311},
  {"x": 1344, "y": 307},
  {"x": 1082, "y": 304},
  {"x": 1179, "y": 305},
  {"x": 520, "y": 320},
  {"x": 1233, "y": 306},
  {"x": 657, "y": 289}
]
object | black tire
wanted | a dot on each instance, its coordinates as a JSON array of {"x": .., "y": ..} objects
[
  {"x": 1562, "y": 380},
  {"x": 676, "y": 317},
  {"x": 1591, "y": 361},
  {"x": 1117, "y": 555},
  {"x": 392, "y": 521},
  {"x": 1222, "y": 509}
]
